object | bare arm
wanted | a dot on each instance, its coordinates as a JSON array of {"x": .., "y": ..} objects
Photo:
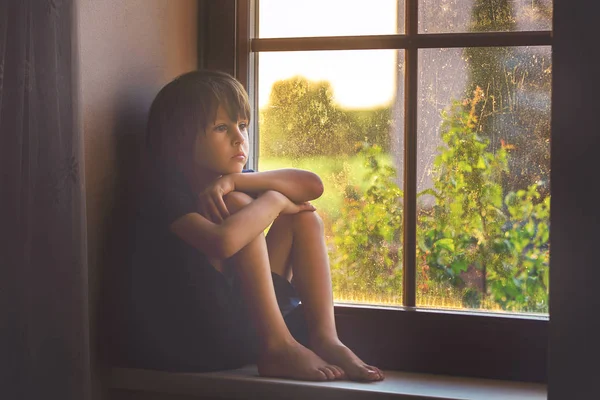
[
  {"x": 223, "y": 240},
  {"x": 296, "y": 184}
]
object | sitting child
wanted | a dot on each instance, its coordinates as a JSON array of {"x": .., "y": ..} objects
[{"x": 209, "y": 290}]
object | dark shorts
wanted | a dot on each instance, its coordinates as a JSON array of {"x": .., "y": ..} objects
[{"x": 210, "y": 330}]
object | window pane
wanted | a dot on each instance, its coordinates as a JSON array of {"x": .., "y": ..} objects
[
  {"x": 329, "y": 18},
  {"x": 459, "y": 16},
  {"x": 339, "y": 114},
  {"x": 483, "y": 178}
]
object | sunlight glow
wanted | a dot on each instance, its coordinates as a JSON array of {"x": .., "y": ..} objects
[{"x": 343, "y": 69}]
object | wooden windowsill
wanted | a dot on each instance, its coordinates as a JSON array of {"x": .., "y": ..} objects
[{"x": 244, "y": 383}]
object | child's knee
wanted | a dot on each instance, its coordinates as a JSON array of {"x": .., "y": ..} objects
[
  {"x": 308, "y": 219},
  {"x": 235, "y": 201}
]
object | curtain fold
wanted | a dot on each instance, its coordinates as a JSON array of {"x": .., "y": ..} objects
[{"x": 44, "y": 335}]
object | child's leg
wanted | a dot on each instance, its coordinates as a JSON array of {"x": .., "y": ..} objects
[
  {"x": 298, "y": 241},
  {"x": 280, "y": 354}
]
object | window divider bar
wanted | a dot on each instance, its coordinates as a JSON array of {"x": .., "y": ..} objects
[
  {"x": 242, "y": 38},
  {"x": 381, "y": 42},
  {"x": 409, "y": 248},
  {"x": 246, "y": 67},
  {"x": 254, "y": 57},
  {"x": 483, "y": 39}
]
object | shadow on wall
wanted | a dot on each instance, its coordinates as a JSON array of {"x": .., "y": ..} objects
[{"x": 115, "y": 240}]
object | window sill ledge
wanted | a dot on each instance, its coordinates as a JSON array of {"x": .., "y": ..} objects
[{"x": 244, "y": 383}]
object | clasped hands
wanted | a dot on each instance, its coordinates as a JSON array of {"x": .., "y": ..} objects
[{"x": 212, "y": 206}]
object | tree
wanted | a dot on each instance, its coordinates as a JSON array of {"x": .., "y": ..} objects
[
  {"x": 302, "y": 120},
  {"x": 516, "y": 83}
]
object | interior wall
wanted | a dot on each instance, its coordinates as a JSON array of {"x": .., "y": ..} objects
[
  {"x": 574, "y": 348},
  {"x": 127, "y": 51}
]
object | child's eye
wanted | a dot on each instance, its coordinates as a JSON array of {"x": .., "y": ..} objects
[
  {"x": 243, "y": 126},
  {"x": 221, "y": 128}
]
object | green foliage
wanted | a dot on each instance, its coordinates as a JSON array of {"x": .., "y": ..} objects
[
  {"x": 371, "y": 125},
  {"x": 457, "y": 233},
  {"x": 482, "y": 238},
  {"x": 523, "y": 281},
  {"x": 302, "y": 119},
  {"x": 472, "y": 230},
  {"x": 492, "y": 16},
  {"x": 367, "y": 237},
  {"x": 516, "y": 82}
]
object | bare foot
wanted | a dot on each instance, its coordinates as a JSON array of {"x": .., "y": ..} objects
[
  {"x": 335, "y": 352},
  {"x": 295, "y": 361}
]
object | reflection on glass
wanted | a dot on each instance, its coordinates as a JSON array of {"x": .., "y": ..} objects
[
  {"x": 339, "y": 114},
  {"x": 459, "y": 16},
  {"x": 329, "y": 18},
  {"x": 483, "y": 178}
]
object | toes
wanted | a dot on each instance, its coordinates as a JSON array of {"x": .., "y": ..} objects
[
  {"x": 320, "y": 375},
  {"x": 373, "y": 373},
  {"x": 370, "y": 375},
  {"x": 339, "y": 373},
  {"x": 328, "y": 373},
  {"x": 372, "y": 368},
  {"x": 366, "y": 373},
  {"x": 380, "y": 372}
]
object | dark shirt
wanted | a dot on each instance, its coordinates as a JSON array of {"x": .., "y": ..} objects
[
  {"x": 177, "y": 299},
  {"x": 183, "y": 314}
]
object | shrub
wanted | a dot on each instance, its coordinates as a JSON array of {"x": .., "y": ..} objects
[{"x": 471, "y": 230}]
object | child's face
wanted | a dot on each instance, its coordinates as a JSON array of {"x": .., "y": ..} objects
[{"x": 223, "y": 147}]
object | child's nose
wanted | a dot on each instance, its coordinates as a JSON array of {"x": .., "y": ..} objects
[{"x": 238, "y": 135}]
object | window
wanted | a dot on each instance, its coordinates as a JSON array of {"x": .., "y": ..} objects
[{"x": 429, "y": 122}]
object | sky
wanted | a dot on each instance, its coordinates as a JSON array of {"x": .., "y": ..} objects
[{"x": 360, "y": 79}]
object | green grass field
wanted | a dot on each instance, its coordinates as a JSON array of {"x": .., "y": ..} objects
[{"x": 335, "y": 172}]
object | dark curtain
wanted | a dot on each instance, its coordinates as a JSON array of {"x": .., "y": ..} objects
[{"x": 44, "y": 338}]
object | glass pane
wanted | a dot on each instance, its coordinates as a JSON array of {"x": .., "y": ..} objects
[
  {"x": 459, "y": 16},
  {"x": 329, "y": 18},
  {"x": 483, "y": 178},
  {"x": 339, "y": 114}
]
